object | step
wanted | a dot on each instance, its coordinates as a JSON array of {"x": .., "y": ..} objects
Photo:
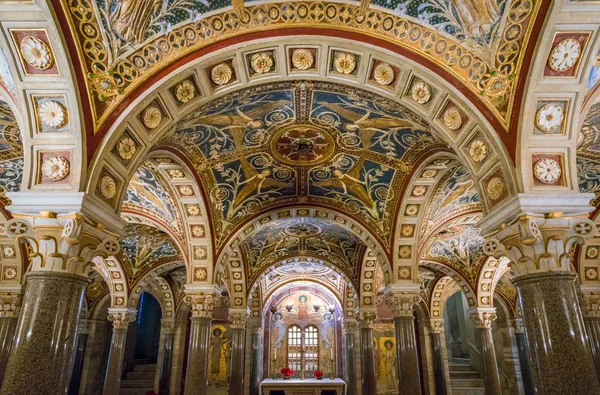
[
  {"x": 466, "y": 383},
  {"x": 145, "y": 368},
  {"x": 143, "y": 375},
  {"x": 137, "y": 383},
  {"x": 468, "y": 391},
  {"x": 459, "y": 368},
  {"x": 135, "y": 391},
  {"x": 460, "y": 374}
]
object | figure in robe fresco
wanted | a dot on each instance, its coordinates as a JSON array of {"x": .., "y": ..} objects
[
  {"x": 131, "y": 18},
  {"x": 326, "y": 331},
  {"x": 302, "y": 307},
  {"x": 278, "y": 329},
  {"x": 216, "y": 353},
  {"x": 389, "y": 358}
]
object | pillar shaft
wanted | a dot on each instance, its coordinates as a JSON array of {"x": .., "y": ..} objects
[
  {"x": 78, "y": 363},
  {"x": 369, "y": 379},
  {"x": 114, "y": 369},
  {"x": 556, "y": 334},
  {"x": 165, "y": 367},
  {"x": 350, "y": 366},
  {"x": 196, "y": 382},
  {"x": 408, "y": 360},
  {"x": 521, "y": 340},
  {"x": 592, "y": 328},
  {"x": 439, "y": 368},
  {"x": 7, "y": 334},
  {"x": 236, "y": 364},
  {"x": 46, "y": 333},
  {"x": 256, "y": 361},
  {"x": 490, "y": 365}
]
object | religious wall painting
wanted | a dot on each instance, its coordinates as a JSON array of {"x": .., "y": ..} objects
[
  {"x": 594, "y": 76},
  {"x": 96, "y": 288},
  {"x": 6, "y": 77},
  {"x": 146, "y": 246},
  {"x": 384, "y": 346},
  {"x": 458, "y": 246},
  {"x": 588, "y": 153},
  {"x": 11, "y": 154},
  {"x": 219, "y": 355}
]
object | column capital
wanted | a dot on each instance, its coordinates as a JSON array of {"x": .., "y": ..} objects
[
  {"x": 255, "y": 325},
  {"x": 10, "y": 304},
  {"x": 517, "y": 325},
  {"x": 539, "y": 244},
  {"x": 401, "y": 299},
  {"x": 436, "y": 325},
  {"x": 64, "y": 243},
  {"x": 168, "y": 326},
  {"x": 203, "y": 299},
  {"x": 238, "y": 318},
  {"x": 482, "y": 318},
  {"x": 349, "y": 326},
  {"x": 590, "y": 304},
  {"x": 121, "y": 317},
  {"x": 85, "y": 326},
  {"x": 366, "y": 318}
]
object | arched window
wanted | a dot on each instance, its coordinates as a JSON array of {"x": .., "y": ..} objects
[{"x": 299, "y": 340}]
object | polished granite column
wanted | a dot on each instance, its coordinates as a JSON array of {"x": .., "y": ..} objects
[
  {"x": 350, "y": 356},
  {"x": 482, "y": 319},
  {"x": 9, "y": 314},
  {"x": 402, "y": 303},
  {"x": 590, "y": 308},
  {"x": 82, "y": 338},
  {"x": 521, "y": 340},
  {"x": 41, "y": 357},
  {"x": 256, "y": 355},
  {"x": 164, "y": 381},
  {"x": 196, "y": 378},
  {"x": 368, "y": 368},
  {"x": 121, "y": 318},
  {"x": 238, "y": 321},
  {"x": 436, "y": 328}
]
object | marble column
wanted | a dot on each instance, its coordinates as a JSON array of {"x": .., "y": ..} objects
[
  {"x": 402, "y": 304},
  {"x": 482, "y": 319},
  {"x": 196, "y": 379},
  {"x": 437, "y": 348},
  {"x": 164, "y": 381},
  {"x": 590, "y": 308},
  {"x": 82, "y": 338},
  {"x": 238, "y": 342},
  {"x": 368, "y": 368},
  {"x": 555, "y": 334},
  {"x": 521, "y": 340},
  {"x": 46, "y": 332},
  {"x": 256, "y": 355},
  {"x": 350, "y": 356},
  {"x": 121, "y": 318},
  {"x": 9, "y": 313}
]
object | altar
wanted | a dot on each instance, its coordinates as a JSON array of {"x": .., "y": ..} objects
[{"x": 303, "y": 387}]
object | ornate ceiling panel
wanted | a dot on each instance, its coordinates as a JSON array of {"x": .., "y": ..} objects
[
  {"x": 481, "y": 43},
  {"x": 11, "y": 154},
  {"x": 144, "y": 248},
  {"x": 302, "y": 237},
  {"x": 149, "y": 194},
  {"x": 286, "y": 143},
  {"x": 588, "y": 154}
]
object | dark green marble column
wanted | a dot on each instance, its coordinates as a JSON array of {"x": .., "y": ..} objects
[
  {"x": 369, "y": 374},
  {"x": 121, "y": 318}
]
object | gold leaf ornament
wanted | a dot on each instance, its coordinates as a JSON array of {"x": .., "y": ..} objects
[
  {"x": 185, "y": 91},
  {"x": 108, "y": 187},
  {"x": 453, "y": 118},
  {"x": 261, "y": 62},
  {"x": 52, "y": 114},
  {"x": 56, "y": 168},
  {"x": 421, "y": 92},
  {"x": 36, "y": 53},
  {"x": 302, "y": 59},
  {"x": 495, "y": 188},
  {"x": 221, "y": 74},
  {"x": 383, "y": 74},
  {"x": 344, "y": 63},
  {"x": 151, "y": 117}
]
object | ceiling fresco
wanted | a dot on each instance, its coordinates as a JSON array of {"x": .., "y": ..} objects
[
  {"x": 145, "y": 247},
  {"x": 292, "y": 237},
  {"x": 481, "y": 43},
  {"x": 11, "y": 154},
  {"x": 305, "y": 142},
  {"x": 588, "y": 154},
  {"x": 97, "y": 287},
  {"x": 149, "y": 194}
]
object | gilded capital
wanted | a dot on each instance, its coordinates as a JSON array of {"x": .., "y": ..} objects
[
  {"x": 121, "y": 317},
  {"x": 168, "y": 326},
  {"x": 366, "y": 318},
  {"x": 238, "y": 318},
  {"x": 436, "y": 325},
  {"x": 350, "y": 326},
  {"x": 517, "y": 325},
  {"x": 10, "y": 304},
  {"x": 402, "y": 303},
  {"x": 536, "y": 244},
  {"x": 203, "y": 304},
  {"x": 62, "y": 243},
  {"x": 482, "y": 318},
  {"x": 590, "y": 304}
]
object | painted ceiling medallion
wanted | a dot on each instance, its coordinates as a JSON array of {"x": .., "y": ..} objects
[
  {"x": 420, "y": 92},
  {"x": 221, "y": 74},
  {"x": 302, "y": 145},
  {"x": 186, "y": 190},
  {"x": 478, "y": 150},
  {"x": 302, "y": 230},
  {"x": 419, "y": 190},
  {"x": 344, "y": 63},
  {"x": 185, "y": 91},
  {"x": 549, "y": 117},
  {"x": 591, "y": 274},
  {"x": 547, "y": 170},
  {"x": 9, "y": 251},
  {"x": 495, "y": 188},
  {"x": 404, "y": 252},
  {"x": 261, "y": 62},
  {"x": 303, "y": 59},
  {"x": 198, "y": 230},
  {"x": 36, "y": 53},
  {"x": 126, "y": 148},
  {"x": 453, "y": 118},
  {"x": 151, "y": 117},
  {"x": 429, "y": 174},
  {"x": 10, "y": 273},
  {"x": 383, "y": 74},
  {"x": 564, "y": 55},
  {"x": 52, "y": 114},
  {"x": 108, "y": 187},
  {"x": 56, "y": 168}
]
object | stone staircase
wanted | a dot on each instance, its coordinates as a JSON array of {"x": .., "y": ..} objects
[
  {"x": 140, "y": 381},
  {"x": 464, "y": 380}
]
